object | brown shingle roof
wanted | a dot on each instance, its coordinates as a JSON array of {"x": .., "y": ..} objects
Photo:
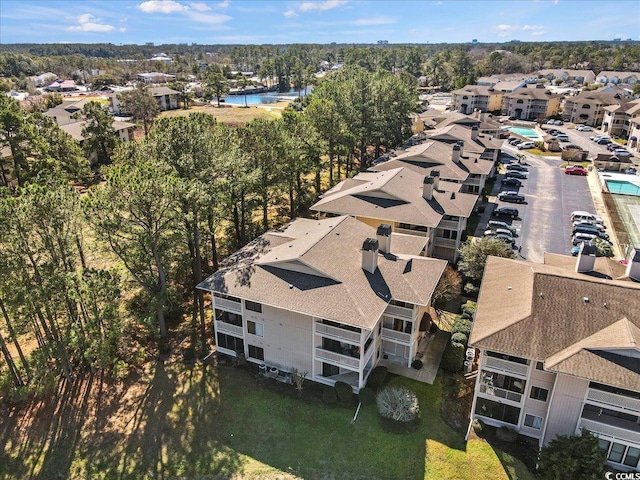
[
  {"x": 564, "y": 318},
  {"x": 338, "y": 289}
]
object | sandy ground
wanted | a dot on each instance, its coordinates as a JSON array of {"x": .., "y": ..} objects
[{"x": 234, "y": 116}]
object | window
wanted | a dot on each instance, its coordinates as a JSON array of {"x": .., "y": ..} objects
[
  {"x": 632, "y": 457},
  {"x": 539, "y": 366},
  {"x": 498, "y": 411},
  {"x": 228, "y": 317},
  {"x": 509, "y": 358},
  {"x": 256, "y": 352},
  {"x": 604, "y": 445},
  {"x": 253, "y": 306},
  {"x": 230, "y": 342},
  {"x": 617, "y": 452},
  {"x": 538, "y": 393},
  {"x": 408, "y": 226},
  {"x": 255, "y": 328},
  {"x": 452, "y": 234},
  {"x": 226, "y": 297},
  {"x": 533, "y": 421}
]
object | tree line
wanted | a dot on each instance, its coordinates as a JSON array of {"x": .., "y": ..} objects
[{"x": 81, "y": 266}]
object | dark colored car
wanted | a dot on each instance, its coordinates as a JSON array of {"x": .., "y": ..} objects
[
  {"x": 494, "y": 224},
  {"x": 516, "y": 174},
  {"x": 505, "y": 212},
  {"x": 517, "y": 167},
  {"x": 511, "y": 182},
  {"x": 513, "y": 197}
]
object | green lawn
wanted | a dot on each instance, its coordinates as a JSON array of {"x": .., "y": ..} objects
[{"x": 206, "y": 422}]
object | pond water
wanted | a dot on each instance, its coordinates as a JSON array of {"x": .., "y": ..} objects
[{"x": 264, "y": 98}]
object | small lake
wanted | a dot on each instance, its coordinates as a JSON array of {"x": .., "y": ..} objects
[{"x": 265, "y": 98}]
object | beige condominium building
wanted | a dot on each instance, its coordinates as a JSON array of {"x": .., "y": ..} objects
[
  {"x": 411, "y": 203},
  {"x": 531, "y": 103},
  {"x": 559, "y": 350},
  {"x": 589, "y": 108},
  {"x": 328, "y": 297},
  {"x": 476, "y": 97}
]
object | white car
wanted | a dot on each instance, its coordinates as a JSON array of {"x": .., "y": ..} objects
[
  {"x": 584, "y": 128},
  {"x": 525, "y": 145}
]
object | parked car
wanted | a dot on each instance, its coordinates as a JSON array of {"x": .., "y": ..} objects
[
  {"x": 603, "y": 141},
  {"x": 513, "y": 141},
  {"x": 575, "y": 250},
  {"x": 505, "y": 238},
  {"x": 525, "y": 145},
  {"x": 587, "y": 223},
  {"x": 516, "y": 174},
  {"x": 494, "y": 224},
  {"x": 590, "y": 231},
  {"x": 621, "y": 152},
  {"x": 612, "y": 146},
  {"x": 511, "y": 182},
  {"x": 511, "y": 196},
  {"x": 505, "y": 212},
  {"x": 575, "y": 170},
  {"x": 517, "y": 166},
  {"x": 584, "y": 128},
  {"x": 571, "y": 146},
  {"x": 578, "y": 238},
  {"x": 563, "y": 137},
  {"x": 498, "y": 231},
  {"x": 580, "y": 215},
  {"x": 597, "y": 137},
  {"x": 558, "y": 122}
]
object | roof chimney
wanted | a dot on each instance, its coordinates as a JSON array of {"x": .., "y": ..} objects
[
  {"x": 633, "y": 266},
  {"x": 586, "y": 257},
  {"x": 370, "y": 255},
  {"x": 474, "y": 132},
  {"x": 383, "y": 234},
  {"x": 427, "y": 187},
  {"x": 436, "y": 179},
  {"x": 455, "y": 154}
]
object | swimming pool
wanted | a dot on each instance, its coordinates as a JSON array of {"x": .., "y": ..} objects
[
  {"x": 524, "y": 132},
  {"x": 623, "y": 187}
]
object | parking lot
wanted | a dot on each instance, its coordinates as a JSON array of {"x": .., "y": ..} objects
[{"x": 550, "y": 197}]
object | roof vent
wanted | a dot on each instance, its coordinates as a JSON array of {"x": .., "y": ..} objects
[
  {"x": 453, "y": 195},
  {"x": 585, "y": 299}
]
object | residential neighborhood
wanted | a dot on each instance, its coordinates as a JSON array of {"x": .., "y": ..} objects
[{"x": 412, "y": 255}]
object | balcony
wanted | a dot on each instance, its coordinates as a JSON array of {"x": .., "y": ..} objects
[
  {"x": 337, "y": 358},
  {"x": 228, "y": 305},
  {"x": 389, "y": 334},
  {"x": 506, "y": 366},
  {"x": 624, "y": 430},
  {"x": 500, "y": 393},
  {"x": 617, "y": 401},
  {"x": 451, "y": 224},
  {"x": 338, "y": 333},
  {"x": 225, "y": 327},
  {"x": 446, "y": 242},
  {"x": 407, "y": 231},
  {"x": 400, "y": 312}
]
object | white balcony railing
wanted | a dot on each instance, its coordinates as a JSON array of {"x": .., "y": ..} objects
[
  {"x": 609, "y": 430},
  {"x": 507, "y": 366},
  {"x": 229, "y": 328},
  {"x": 344, "y": 360},
  {"x": 500, "y": 392},
  {"x": 228, "y": 305},
  {"x": 336, "y": 332},
  {"x": 396, "y": 311},
  {"x": 390, "y": 334},
  {"x": 619, "y": 401}
]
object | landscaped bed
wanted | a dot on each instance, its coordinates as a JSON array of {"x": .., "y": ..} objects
[{"x": 198, "y": 421}]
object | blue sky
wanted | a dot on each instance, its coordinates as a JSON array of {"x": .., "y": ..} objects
[{"x": 306, "y": 21}]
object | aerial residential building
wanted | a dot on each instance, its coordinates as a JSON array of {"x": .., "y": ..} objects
[
  {"x": 166, "y": 97},
  {"x": 411, "y": 203},
  {"x": 531, "y": 103},
  {"x": 155, "y": 77},
  {"x": 589, "y": 108},
  {"x": 582, "y": 77},
  {"x": 559, "y": 350},
  {"x": 476, "y": 97},
  {"x": 634, "y": 134},
  {"x": 617, "y": 118},
  {"x": 330, "y": 297},
  {"x": 630, "y": 78}
]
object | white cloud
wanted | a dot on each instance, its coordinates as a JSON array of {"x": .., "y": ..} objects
[
  {"x": 162, "y": 6},
  {"x": 200, "y": 7},
  {"x": 290, "y": 13},
  {"x": 223, "y": 5},
  {"x": 538, "y": 32},
  {"x": 209, "y": 18},
  {"x": 507, "y": 30},
  {"x": 122, "y": 29},
  {"x": 88, "y": 23},
  {"x": 321, "y": 6},
  {"x": 375, "y": 21},
  {"x": 532, "y": 27}
]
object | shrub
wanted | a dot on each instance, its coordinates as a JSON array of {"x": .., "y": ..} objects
[
  {"x": 469, "y": 308},
  {"x": 453, "y": 357},
  {"x": 507, "y": 434},
  {"x": 478, "y": 426},
  {"x": 377, "y": 377},
  {"x": 329, "y": 396},
  {"x": 366, "y": 396},
  {"x": 462, "y": 325},
  {"x": 466, "y": 316},
  {"x": 459, "y": 337},
  {"x": 398, "y": 403},
  {"x": 471, "y": 289},
  {"x": 344, "y": 392},
  {"x": 417, "y": 364}
]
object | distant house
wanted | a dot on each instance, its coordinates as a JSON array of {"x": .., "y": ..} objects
[
  {"x": 559, "y": 350},
  {"x": 630, "y": 78},
  {"x": 155, "y": 77},
  {"x": 124, "y": 130},
  {"x": 166, "y": 97},
  {"x": 62, "y": 86},
  {"x": 43, "y": 79},
  {"x": 531, "y": 103},
  {"x": 161, "y": 57},
  {"x": 582, "y": 77}
]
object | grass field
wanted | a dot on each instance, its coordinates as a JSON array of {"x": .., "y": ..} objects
[
  {"x": 233, "y": 116},
  {"x": 179, "y": 421}
]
